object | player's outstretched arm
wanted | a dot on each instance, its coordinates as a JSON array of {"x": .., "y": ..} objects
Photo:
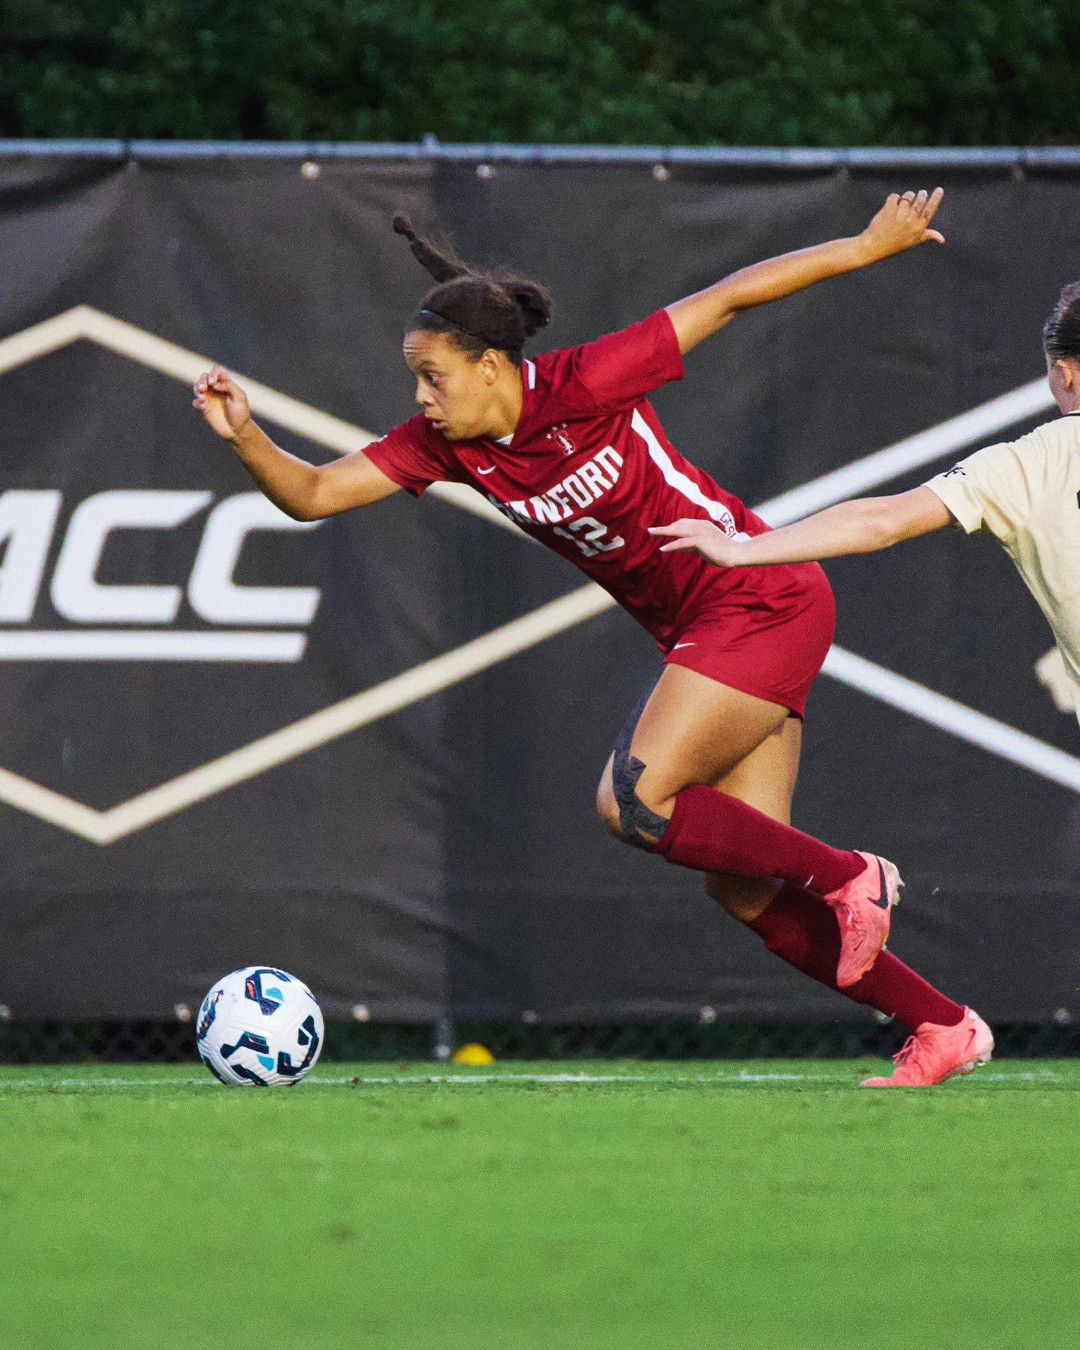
[
  {"x": 862, "y": 526},
  {"x": 902, "y": 223},
  {"x": 302, "y": 490}
]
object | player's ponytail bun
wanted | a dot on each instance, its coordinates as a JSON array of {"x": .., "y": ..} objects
[
  {"x": 480, "y": 310},
  {"x": 533, "y": 300}
]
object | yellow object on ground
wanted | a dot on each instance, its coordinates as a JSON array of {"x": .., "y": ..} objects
[{"x": 474, "y": 1054}]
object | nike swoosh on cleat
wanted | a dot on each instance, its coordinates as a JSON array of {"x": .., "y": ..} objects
[{"x": 883, "y": 901}]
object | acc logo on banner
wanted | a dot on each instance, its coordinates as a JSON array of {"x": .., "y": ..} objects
[{"x": 245, "y": 623}]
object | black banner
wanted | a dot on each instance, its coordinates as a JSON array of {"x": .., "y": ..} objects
[{"x": 367, "y": 750}]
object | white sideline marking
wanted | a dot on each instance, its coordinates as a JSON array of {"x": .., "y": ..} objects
[
  {"x": 438, "y": 1079},
  {"x": 727, "y": 1080},
  {"x": 486, "y": 1079},
  {"x": 105, "y": 827}
]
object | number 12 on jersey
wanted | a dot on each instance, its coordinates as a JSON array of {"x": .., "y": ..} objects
[{"x": 589, "y": 534}]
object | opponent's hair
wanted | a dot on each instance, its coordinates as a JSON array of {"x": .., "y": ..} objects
[
  {"x": 1061, "y": 332},
  {"x": 480, "y": 310}
]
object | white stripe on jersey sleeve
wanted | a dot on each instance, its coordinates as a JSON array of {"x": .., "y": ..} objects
[{"x": 678, "y": 480}]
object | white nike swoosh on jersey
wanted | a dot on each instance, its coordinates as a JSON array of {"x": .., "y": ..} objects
[
  {"x": 487, "y": 471},
  {"x": 683, "y": 644}
]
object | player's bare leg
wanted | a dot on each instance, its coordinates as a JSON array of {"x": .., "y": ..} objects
[
  {"x": 694, "y": 732},
  {"x": 764, "y": 779},
  {"x": 795, "y": 925}
]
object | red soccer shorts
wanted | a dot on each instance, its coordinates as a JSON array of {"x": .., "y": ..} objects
[{"x": 769, "y": 643}]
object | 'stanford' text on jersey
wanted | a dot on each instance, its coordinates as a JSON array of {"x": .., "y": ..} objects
[{"x": 589, "y": 469}]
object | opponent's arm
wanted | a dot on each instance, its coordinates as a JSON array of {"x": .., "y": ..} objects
[
  {"x": 862, "y": 526},
  {"x": 902, "y": 223},
  {"x": 302, "y": 490}
]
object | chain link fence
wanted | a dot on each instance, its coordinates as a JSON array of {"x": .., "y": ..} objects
[{"x": 174, "y": 1042}]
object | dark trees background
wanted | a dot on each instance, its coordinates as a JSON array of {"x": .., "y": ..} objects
[{"x": 690, "y": 72}]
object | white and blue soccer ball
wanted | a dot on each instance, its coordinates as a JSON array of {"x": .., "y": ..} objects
[{"x": 259, "y": 1027}]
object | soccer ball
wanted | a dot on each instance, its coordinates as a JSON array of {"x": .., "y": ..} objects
[{"x": 259, "y": 1027}]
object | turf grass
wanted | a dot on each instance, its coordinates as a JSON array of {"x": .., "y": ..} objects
[{"x": 598, "y": 1205}]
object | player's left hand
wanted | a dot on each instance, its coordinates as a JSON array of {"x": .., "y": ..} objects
[
  {"x": 703, "y": 537},
  {"x": 902, "y": 223}
]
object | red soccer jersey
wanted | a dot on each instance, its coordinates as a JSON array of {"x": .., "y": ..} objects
[{"x": 589, "y": 469}]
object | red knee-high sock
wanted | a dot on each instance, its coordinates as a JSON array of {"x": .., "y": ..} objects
[
  {"x": 802, "y": 931},
  {"x": 713, "y": 832}
]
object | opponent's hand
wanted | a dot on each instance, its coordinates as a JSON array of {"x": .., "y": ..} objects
[
  {"x": 902, "y": 223},
  {"x": 704, "y": 538},
  {"x": 222, "y": 402}
]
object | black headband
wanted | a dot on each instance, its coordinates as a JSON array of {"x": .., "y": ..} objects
[{"x": 453, "y": 323}]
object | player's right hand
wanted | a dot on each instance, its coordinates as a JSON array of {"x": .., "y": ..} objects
[{"x": 222, "y": 402}]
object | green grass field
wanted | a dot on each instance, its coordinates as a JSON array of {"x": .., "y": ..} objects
[{"x": 641, "y": 1205}]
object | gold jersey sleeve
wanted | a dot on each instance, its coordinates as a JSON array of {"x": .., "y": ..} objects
[
  {"x": 1026, "y": 493},
  {"x": 991, "y": 490}
]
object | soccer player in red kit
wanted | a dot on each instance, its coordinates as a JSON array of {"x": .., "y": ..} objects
[{"x": 567, "y": 446}]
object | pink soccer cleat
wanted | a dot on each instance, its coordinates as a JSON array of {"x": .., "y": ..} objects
[
  {"x": 863, "y": 909},
  {"x": 936, "y": 1053}
]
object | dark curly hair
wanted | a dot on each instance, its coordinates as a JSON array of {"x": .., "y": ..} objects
[
  {"x": 1061, "y": 332},
  {"x": 479, "y": 310}
]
